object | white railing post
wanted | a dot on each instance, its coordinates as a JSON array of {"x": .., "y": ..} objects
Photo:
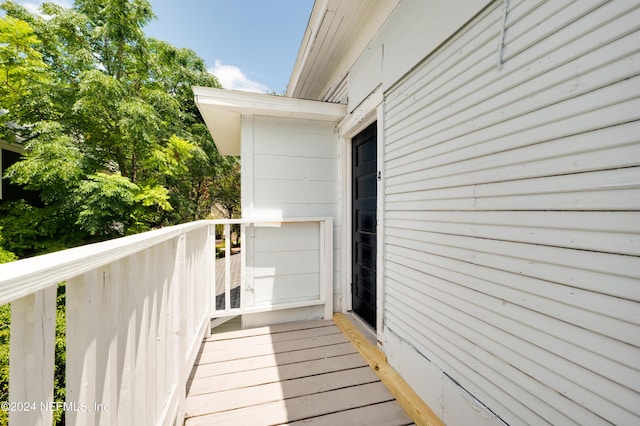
[
  {"x": 32, "y": 353},
  {"x": 227, "y": 266},
  {"x": 210, "y": 280},
  {"x": 214, "y": 273},
  {"x": 326, "y": 265},
  {"x": 178, "y": 292},
  {"x": 243, "y": 264},
  {"x": 248, "y": 295}
]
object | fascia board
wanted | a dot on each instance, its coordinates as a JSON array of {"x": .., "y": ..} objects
[{"x": 318, "y": 12}]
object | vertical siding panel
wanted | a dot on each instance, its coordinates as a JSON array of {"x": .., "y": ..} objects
[{"x": 512, "y": 204}]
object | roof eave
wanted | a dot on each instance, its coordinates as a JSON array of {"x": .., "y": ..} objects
[
  {"x": 315, "y": 21},
  {"x": 222, "y": 111}
]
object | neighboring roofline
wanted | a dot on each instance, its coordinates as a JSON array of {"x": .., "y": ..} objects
[
  {"x": 15, "y": 147},
  {"x": 222, "y": 111}
]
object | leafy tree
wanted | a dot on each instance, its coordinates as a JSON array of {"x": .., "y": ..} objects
[
  {"x": 6, "y": 255},
  {"x": 5, "y": 318},
  {"x": 224, "y": 186},
  {"x": 115, "y": 143},
  {"x": 22, "y": 69}
]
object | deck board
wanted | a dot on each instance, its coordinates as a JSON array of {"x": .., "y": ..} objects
[
  {"x": 303, "y": 372},
  {"x": 384, "y": 414},
  {"x": 248, "y": 350},
  {"x": 268, "y": 339},
  {"x": 270, "y": 360},
  {"x": 271, "y": 329},
  {"x": 276, "y": 373}
]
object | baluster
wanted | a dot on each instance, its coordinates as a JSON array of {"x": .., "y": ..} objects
[{"x": 31, "y": 365}]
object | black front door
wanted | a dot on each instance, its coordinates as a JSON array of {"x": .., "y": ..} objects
[{"x": 364, "y": 190}]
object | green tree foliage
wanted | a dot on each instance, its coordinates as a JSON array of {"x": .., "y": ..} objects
[
  {"x": 5, "y": 319},
  {"x": 6, "y": 255},
  {"x": 224, "y": 185},
  {"x": 114, "y": 142},
  {"x": 22, "y": 70}
]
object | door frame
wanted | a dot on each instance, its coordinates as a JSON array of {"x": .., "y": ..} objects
[{"x": 368, "y": 112}]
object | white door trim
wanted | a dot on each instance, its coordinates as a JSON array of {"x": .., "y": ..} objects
[{"x": 368, "y": 112}]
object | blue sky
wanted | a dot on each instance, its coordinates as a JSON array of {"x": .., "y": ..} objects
[{"x": 248, "y": 44}]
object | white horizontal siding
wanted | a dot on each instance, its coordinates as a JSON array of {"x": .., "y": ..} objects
[
  {"x": 295, "y": 165},
  {"x": 512, "y": 211},
  {"x": 609, "y": 232},
  {"x": 286, "y": 263}
]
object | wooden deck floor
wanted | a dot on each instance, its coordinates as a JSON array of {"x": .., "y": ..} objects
[{"x": 296, "y": 373}]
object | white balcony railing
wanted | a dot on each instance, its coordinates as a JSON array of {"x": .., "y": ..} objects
[
  {"x": 284, "y": 264},
  {"x": 137, "y": 309}
]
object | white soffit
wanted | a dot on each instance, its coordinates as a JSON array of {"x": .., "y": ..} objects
[
  {"x": 337, "y": 33},
  {"x": 222, "y": 111}
]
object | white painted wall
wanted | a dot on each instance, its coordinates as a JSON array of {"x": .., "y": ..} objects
[
  {"x": 512, "y": 217},
  {"x": 289, "y": 169}
]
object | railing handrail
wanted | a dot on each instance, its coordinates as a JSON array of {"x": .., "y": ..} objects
[
  {"x": 27, "y": 276},
  {"x": 267, "y": 220}
]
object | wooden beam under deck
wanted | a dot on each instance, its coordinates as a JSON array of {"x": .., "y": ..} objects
[
  {"x": 296, "y": 373},
  {"x": 420, "y": 412}
]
